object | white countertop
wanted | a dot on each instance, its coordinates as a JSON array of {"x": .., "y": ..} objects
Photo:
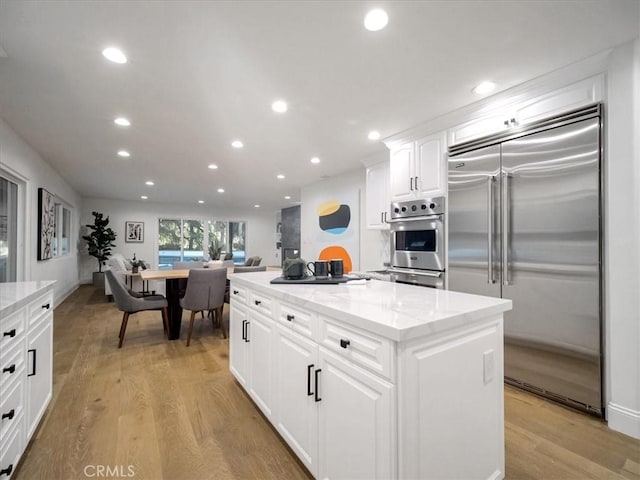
[
  {"x": 15, "y": 295},
  {"x": 393, "y": 310}
]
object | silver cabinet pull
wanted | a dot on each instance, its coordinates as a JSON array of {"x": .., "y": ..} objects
[
  {"x": 490, "y": 185},
  {"x": 505, "y": 228}
]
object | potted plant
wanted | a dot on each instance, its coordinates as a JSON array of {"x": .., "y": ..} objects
[
  {"x": 137, "y": 264},
  {"x": 99, "y": 244},
  {"x": 215, "y": 249}
]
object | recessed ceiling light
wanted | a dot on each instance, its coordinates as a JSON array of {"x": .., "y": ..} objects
[
  {"x": 257, "y": 206},
  {"x": 213, "y": 166},
  {"x": 115, "y": 55},
  {"x": 143, "y": 197},
  {"x": 149, "y": 182},
  {"x": 287, "y": 197},
  {"x": 221, "y": 190},
  {"x": 279, "y": 106},
  {"x": 373, "y": 135},
  {"x": 280, "y": 176},
  {"x": 484, "y": 87},
  {"x": 237, "y": 144},
  {"x": 376, "y": 20},
  {"x": 123, "y": 122},
  {"x": 124, "y": 153},
  {"x": 315, "y": 160},
  {"x": 200, "y": 201}
]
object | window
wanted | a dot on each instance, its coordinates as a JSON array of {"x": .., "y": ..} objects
[
  {"x": 181, "y": 240},
  {"x": 8, "y": 230},
  {"x": 62, "y": 231}
]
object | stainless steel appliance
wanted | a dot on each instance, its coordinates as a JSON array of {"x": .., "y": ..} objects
[
  {"x": 524, "y": 223},
  {"x": 418, "y": 242}
]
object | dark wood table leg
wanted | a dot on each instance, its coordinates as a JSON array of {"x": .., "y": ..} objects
[{"x": 175, "y": 310}]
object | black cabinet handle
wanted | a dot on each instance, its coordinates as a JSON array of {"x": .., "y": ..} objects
[
  {"x": 246, "y": 331},
  {"x": 46, "y": 306},
  {"x": 257, "y": 302},
  {"x": 34, "y": 362},
  {"x": 235, "y": 292},
  {"x": 309, "y": 368},
  {"x": 11, "y": 333},
  {"x": 9, "y": 415},
  {"x": 411, "y": 183},
  {"x": 10, "y": 369},
  {"x": 7, "y": 471},
  {"x": 316, "y": 397},
  {"x": 344, "y": 343},
  {"x": 290, "y": 317}
]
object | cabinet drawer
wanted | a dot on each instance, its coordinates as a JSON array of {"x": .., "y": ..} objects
[
  {"x": 365, "y": 349},
  {"x": 305, "y": 323},
  {"x": 39, "y": 307},
  {"x": 11, "y": 409},
  {"x": 11, "y": 365},
  {"x": 12, "y": 331},
  {"x": 259, "y": 302},
  {"x": 237, "y": 293},
  {"x": 11, "y": 453}
]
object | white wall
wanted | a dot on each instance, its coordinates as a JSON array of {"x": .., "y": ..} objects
[
  {"x": 23, "y": 162},
  {"x": 371, "y": 243},
  {"x": 622, "y": 240},
  {"x": 261, "y": 228}
]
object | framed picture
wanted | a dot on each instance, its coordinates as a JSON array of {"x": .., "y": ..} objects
[
  {"x": 134, "y": 232},
  {"x": 46, "y": 224}
]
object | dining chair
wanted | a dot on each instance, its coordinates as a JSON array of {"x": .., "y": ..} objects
[
  {"x": 186, "y": 265},
  {"x": 256, "y": 261},
  {"x": 205, "y": 292},
  {"x": 129, "y": 302},
  {"x": 248, "y": 262},
  {"x": 228, "y": 256}
]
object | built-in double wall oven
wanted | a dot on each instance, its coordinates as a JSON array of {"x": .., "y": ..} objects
[{"x": 418, "y": 242}]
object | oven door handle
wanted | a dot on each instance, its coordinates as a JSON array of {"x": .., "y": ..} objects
[
  {"x": 421, "y": 273},
  {"x": 416, "y": 219}
]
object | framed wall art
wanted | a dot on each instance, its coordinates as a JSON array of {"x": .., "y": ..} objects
[
  {"x": 46, "y": 224},
  {"x": 134, "y": 232}
]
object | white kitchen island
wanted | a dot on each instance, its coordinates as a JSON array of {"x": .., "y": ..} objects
[{"x": 374, "y": 380}]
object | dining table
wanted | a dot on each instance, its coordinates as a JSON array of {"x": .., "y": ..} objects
[{"x": 176, "y": 282}]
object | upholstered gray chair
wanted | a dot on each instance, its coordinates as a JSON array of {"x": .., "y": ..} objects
[
  {"x": 187, "y": 265},
  {"x": 256, "y": 261},
  {"x": 228, "y": 256},
  {"x": 205, "y": 292},
  {"x": 243, "y": 269},
  {"x": 130, "y": 302},
  {"x": 248, "y": 261}
]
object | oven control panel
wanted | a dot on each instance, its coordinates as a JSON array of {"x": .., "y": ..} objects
[{"x": 418, "y": 208}]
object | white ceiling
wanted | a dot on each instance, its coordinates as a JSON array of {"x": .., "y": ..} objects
[{"x": 201, "y": 74}]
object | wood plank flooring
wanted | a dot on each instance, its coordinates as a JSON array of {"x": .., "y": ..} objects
[{"x": 159, "y": 410}]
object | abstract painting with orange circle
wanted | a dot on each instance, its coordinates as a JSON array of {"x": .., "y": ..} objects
[{"x": 337, "y": 234}]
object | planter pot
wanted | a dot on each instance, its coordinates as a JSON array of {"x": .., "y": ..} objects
[
  {"x": 98, "y": 279},
  {"x": 134, "y": 269}
]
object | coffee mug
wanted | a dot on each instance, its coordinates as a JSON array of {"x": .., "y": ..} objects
[
  {"x": 337, "y": 268},
  {"x": 319, "y": 269},
  {"x": 294, "y": 271}
]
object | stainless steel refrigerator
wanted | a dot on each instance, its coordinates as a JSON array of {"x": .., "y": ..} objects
[{"x": 525, "y": 223}]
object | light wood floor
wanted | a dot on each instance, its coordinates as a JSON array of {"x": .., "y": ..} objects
[{"x": 173, "y": 412}]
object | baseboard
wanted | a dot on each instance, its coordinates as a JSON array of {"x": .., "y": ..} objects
[
  {"x": 623, "y": 420},
  {"x": 64, "y": 295}
]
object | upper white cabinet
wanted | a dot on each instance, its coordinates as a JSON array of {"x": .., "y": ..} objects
[
  {"x": 537, "y": 107},
  {"x": 417, "y": 169},
  {"x": 378, "y": 196}
]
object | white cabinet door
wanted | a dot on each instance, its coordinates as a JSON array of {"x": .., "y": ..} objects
[
  {"x": 464, "y": 368},
  {"x": 493, "y": 122},
  {"x": 378, "y": 196},
  {"x": 297, "y": 418},
  {"x": 238, "y": 347},
  {"x": 39, "y": 371},
  {"x": 356, "y": 422},
  {"x": 576, "y": 95},
  {"x": 401, "y": 173},
  {"x": 430, "y": 166},
  {"x": 260, "y": 340}
]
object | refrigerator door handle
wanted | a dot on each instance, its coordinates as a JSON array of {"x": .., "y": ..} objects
[
  {"x": 505, "y": 228},
  {"x": 490, "y": 185}
]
